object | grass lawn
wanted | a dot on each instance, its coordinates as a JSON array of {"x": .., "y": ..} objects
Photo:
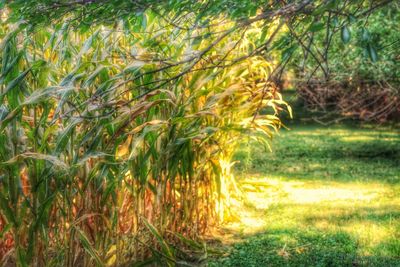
[{"x": 325, "y": 196}]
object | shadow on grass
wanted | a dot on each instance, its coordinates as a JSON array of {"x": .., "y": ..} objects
[
  {"x": 337, "y": 148},
  {"x": 294, "y": 247},
  {"x": 340, "y": 153}
]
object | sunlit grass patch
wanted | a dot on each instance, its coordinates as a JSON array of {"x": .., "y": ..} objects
[
  {"x": 369, "y": 138},
  {"x": 319, "y": 200},
  {"x": 319, "y": 230}
]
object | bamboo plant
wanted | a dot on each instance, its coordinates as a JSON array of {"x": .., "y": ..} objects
[{"x": 109, "y": 156}]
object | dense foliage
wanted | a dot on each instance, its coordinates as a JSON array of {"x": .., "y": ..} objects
[
  {"x": 118, "y": 119},
  {"x": 94, "y": 160}
]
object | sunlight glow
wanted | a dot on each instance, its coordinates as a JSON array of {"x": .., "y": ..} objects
[
  {"x": 306, "y": 195},
  {"x": 368, "y": 138},
  {"x": 327, "y": 205}
]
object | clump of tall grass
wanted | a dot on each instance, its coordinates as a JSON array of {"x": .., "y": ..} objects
[{"x": 108, "y": 155}]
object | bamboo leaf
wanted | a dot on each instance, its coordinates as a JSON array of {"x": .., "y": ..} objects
[
  {"x": 14, "y": 83},
  {"x": 9, "y": 214},
  {"x": 89, "y": 248},
  {"x": 36, "y": 156},
  {"x": 164, "y": 246}
]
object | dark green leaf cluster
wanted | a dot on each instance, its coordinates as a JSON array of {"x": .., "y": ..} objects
[{"x": 86, "y": 12}]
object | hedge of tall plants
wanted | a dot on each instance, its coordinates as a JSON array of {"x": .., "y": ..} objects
[{"x": 110, "y": 157}]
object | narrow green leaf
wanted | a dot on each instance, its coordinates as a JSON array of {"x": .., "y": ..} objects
[
  {"x": 345, "y": 34},
  {"x": 164, "y": 246},
  {"x": 373, "y": 55},
  {"x": 16, "y": 81},
  {"x": 8, "y": 213},
  {"x": 36, "y": 156},
  {"x": 89, "y": 248}
]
